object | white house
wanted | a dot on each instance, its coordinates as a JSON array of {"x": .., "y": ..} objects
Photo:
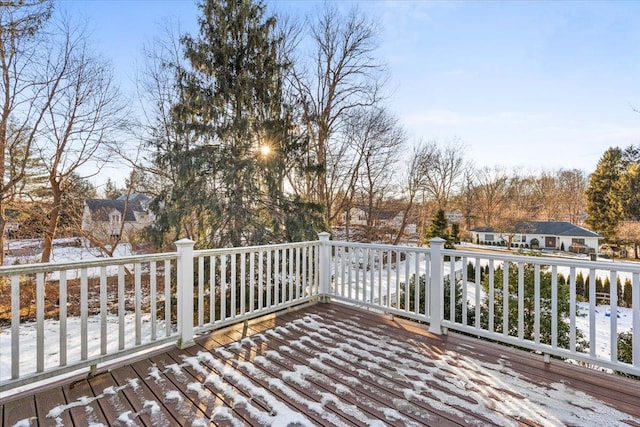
[
  {"x": 356, "y": 216},
  {"x": 391, "y": 219},
  {"x": 454, "y": 217},
  {"x": 553, "y": 235},
  {"x": 103, "y": 218}
]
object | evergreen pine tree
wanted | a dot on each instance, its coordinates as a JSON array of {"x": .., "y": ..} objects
[
  {"x": 604, "y": 206},
  {"x": 627, "y": 295},
  {"x": 455, "y": 232},
  {"x": 580, "y": 289},
  {"x": 111, "y": 190},
  {"x": 599, "y": 285},
  {"x": 586, "y": 287},
  {"x": 439, "y": 227},
  {"x": 235, "y": 136}
]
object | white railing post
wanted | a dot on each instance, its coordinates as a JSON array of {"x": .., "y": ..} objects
[
  {"x": 185, "y": 292},
  {"x": 436, "y": 303},
  {"x": 324, "y": 272}
]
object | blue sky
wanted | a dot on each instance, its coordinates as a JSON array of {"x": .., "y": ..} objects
[{"x": 527, "y": 85}]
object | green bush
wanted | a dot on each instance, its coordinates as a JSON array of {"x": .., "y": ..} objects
[
  {"x": 563, "y": 305},
  {"x": 625, "y": 347},
  {"x": 446, "y": 296}
]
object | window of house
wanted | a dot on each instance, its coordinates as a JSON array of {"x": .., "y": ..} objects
[
  {"x": 577, "y": 242},
  {"x": 488, "y": 237},
  {"x": 115, "y": 218},
  {"x": 523, "y": 238}
]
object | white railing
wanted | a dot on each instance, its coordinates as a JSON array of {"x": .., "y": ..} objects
[
  {"x": 267, "y": 278},
  {"x": 551, "y": 308},
  {"x": 84, "y": 314},
  {"x": 90, "y": 313}
]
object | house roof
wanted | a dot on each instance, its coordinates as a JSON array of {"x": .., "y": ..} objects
[
  {"x": 553, "y": 228},
  {"x": 101, "y": 208}
]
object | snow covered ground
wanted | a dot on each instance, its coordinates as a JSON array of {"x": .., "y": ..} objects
[
  {"x": 343, "y": 341},
  {"x": 65, "y": 250},
  {"x": 52, "y": 341}
]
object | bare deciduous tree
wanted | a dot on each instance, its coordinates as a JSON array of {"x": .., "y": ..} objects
[
  {"x": 23, "y": 96},
  {"x": 343, "y": 76},
  {"x": 445, "y": 167},
  {"x": 467, "y": 196},
  {"x": 376, "y": 138},
  {"x": 548, "y": 194},
  {"x": 413, "y": 181},
  {"x": 491, "y": 191},
  {"x": 629, "y": 233},
  {"x": 84, "y": 118},
  {"x": 573, "y": 185}
]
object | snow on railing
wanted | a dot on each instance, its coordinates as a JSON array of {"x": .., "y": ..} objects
[{"x": 552, "y": 309}]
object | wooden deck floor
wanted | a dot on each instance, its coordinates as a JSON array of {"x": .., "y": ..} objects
[{"x": 335, "y": 365}]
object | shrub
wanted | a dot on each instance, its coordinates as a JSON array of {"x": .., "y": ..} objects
[
  {"x": 529, "y": 305},
  {"x": 625, "y": 346},
  {"x": 447, "y": 300}
]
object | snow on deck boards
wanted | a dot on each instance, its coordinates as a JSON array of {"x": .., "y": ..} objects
[{"x": 330, "y": 364}]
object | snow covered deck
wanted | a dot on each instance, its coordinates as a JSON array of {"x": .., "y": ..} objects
[{"x": 332, "y": 364}]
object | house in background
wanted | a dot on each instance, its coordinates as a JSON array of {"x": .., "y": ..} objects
[
  {"x": 103, "y": 218},
  {"x": 552, "y": 235},
  {"x": 356, "y": 216},
  {"x": 387, "y": 220},
  {"x": 455, "y": 216},
  {"x": 392, "y": 219}
]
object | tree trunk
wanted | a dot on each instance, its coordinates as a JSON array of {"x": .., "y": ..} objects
[
  {"x": 52, "y": 226},
  {"x": 3, "y": 224},
  {"x": 403, "y": 225}
]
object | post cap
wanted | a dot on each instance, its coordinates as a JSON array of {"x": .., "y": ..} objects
[
  {"x": 323, "y": 235},
  {"x": 184, "y": 242}
]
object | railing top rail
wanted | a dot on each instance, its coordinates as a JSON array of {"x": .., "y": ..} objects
[
  {"x": 547, "y": 260},
  {"x": 247, "y": 249},
  {"x": 386, "y": 247},
  {"x": 71, "y": 265}
]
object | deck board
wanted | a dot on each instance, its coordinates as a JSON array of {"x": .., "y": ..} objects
[
  {"x": 339, "y": 380},
  {"x": 251, "y": 382},
  {"x": 212, "y": 401},
  {"x": 146, "y": 405},
  {"x": 113, "y": 404},
  {"x": 20, "y": 410},
  {"x": 332, "y": 364},
  {"x": 312, "y": 393},
  {"x": 387, "y": 380},
  {"x": 48, "y": 401},
  {"x": 175, "y": 400},
  {"x": 90, "y": 412}
]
